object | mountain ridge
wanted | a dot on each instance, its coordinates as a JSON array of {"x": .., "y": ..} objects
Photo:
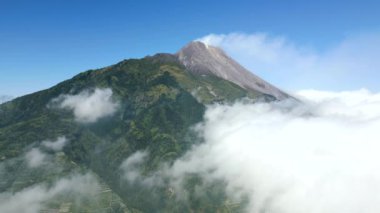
[{"x": 159, "y": 101}]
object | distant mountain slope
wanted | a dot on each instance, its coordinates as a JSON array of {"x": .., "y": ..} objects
[{"x": 154, "y": 103}]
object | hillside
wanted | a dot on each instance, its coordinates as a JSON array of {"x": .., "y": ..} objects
[{"x": 89, "y": 125}]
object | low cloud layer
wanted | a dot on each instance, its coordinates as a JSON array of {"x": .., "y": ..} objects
[
  {"x": 321, "y": 156},
  {"x": 348, "y": 65},
  {"x": 33, "y": 199},
  {"x": 89, "y": 106}
]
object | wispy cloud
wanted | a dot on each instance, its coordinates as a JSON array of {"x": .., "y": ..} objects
[
  {"x": 56, "y": 145},
  {"x": 350, "y": 64},
  {"x": 132, "y": 164},
  {"x": 38, "y": 193},
  {"x": 35, "y": 158},
  {"x": 34, "y": 199},
  {"x": 89, "y": 106}
]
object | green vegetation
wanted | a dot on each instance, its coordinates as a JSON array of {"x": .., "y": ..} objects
[{"x": 159, "y": 101}]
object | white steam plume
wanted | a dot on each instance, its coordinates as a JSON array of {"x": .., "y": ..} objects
[{"x": 350, "y": 64}]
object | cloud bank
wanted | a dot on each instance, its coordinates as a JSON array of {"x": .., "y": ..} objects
[
  {"x": 286, "y": 157},
  {"x": 319, "y": 157},
  {"x": 89, "y": 106},
  {"x": 351, "y": 64}
]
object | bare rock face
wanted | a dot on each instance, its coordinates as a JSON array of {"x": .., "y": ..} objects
[{"x": 203, "y": 59}]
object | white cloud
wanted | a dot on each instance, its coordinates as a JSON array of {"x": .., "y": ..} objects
[
  {"x": 33, "y": 199},
  {"x": 351, "y": 64},
  {"x": 35, "y": 158},
  {"x": 290, "y": 158},
  {"x": 132, "y": 164},
  {"x": 88, "y": 106},
  {"x": 360, "y": 105},
  {"x": 132, "y": 171},
  {"x": 56, "y": 145}
]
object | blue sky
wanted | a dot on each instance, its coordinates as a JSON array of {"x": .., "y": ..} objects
[{"x": 45, "y": 42}]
